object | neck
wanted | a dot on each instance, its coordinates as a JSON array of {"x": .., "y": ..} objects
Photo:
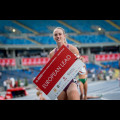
[{"x": 60, "y": 44}]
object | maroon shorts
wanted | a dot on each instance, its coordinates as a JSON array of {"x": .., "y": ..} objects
[{"x": 65, "y": 89}]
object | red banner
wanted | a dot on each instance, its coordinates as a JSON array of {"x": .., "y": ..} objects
[
  {"x": 53, "y": 65},
  {"x": 7, "y": 62},
  {"x": 34, "y": 61},
  {"x": 107, "y": 57}
]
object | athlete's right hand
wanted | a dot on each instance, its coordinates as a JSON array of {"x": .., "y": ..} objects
[
  {"x": 37, "y": 88},
  {"x": 80, "y": 57}
]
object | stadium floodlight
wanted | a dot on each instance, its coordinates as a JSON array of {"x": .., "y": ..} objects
[
  {"x": 14, "y": 30},
  {"x": 99, "y": 29}
]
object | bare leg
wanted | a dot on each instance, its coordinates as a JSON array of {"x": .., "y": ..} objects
[
  {"x": 93, "y": 97},
  {"x": 72, "y": 92},
  {"x": 62, "y": 96},
  {"x": 85, "y": 90},
  {"x": 81, "y": 90}
]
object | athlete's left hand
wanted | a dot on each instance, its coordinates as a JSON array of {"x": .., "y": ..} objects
[{"x": 80, "y": 57}]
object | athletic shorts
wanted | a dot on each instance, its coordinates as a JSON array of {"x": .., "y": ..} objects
[
  {"x": 72, "y": 81},
  {"x": 83, "y": 80}
]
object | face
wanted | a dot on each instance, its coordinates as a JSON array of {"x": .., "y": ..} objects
[{"x": 58, "y": 35}]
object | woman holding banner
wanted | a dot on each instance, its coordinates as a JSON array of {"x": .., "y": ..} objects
[{"x": 70, "y": 92}]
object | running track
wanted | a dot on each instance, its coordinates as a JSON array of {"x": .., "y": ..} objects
[{"x": 110, "y": 90}]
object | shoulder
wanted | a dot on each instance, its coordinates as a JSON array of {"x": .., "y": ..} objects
[{"x": 73, "y": 49}]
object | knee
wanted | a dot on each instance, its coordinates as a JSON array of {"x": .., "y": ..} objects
[
  {"x": 73, "y": 95},
  {"x": 72, "y": 88},
  {"x": 73, "y": 91}
]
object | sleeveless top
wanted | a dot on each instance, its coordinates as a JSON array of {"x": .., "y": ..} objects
[
  {"x": 56, "y": 48},
  {"x": 82, "y": 71}
]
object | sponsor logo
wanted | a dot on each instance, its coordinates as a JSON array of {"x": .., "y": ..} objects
[
  {"x": 55, "y": 90},
  {"x": 58, "y": 86},
  {"x": 64, "y": 78}
]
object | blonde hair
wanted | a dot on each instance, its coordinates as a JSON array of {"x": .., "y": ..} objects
[{"x": 65, "y": 41}]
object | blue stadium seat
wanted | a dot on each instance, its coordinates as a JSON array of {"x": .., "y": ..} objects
[
  {"x": 9, "y": 23},
  {"x": 86, "y": 25},
  {"x": 15, "y": 41},
  {"x": 116, "y": 35},
  {"x": 44, "y": 26},
  {"x": 113, "y": 64},
  {"x": 47, "y": 40},
  {"x": 92, "y": 38},
  {"x": 116, "y": 22}
]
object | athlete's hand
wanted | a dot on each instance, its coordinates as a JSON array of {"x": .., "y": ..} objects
[
  {"x": 38, "y": 88},
  {"x": 39, "y": 91},
  {"x": 77, "y": 56},
  {"x": 80, "y": 57}
]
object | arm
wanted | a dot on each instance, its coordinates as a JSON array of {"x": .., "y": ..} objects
[
  {"x": 75, "y": 51},
  {"x": 86, "y": 72}
]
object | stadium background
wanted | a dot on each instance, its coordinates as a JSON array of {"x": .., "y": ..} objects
[{"x": 25, "y": 45}]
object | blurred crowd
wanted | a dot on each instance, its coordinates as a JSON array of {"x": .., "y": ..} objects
[
  {"x": 102, "y": 74},
  {"x": 12, "y": 83}
]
